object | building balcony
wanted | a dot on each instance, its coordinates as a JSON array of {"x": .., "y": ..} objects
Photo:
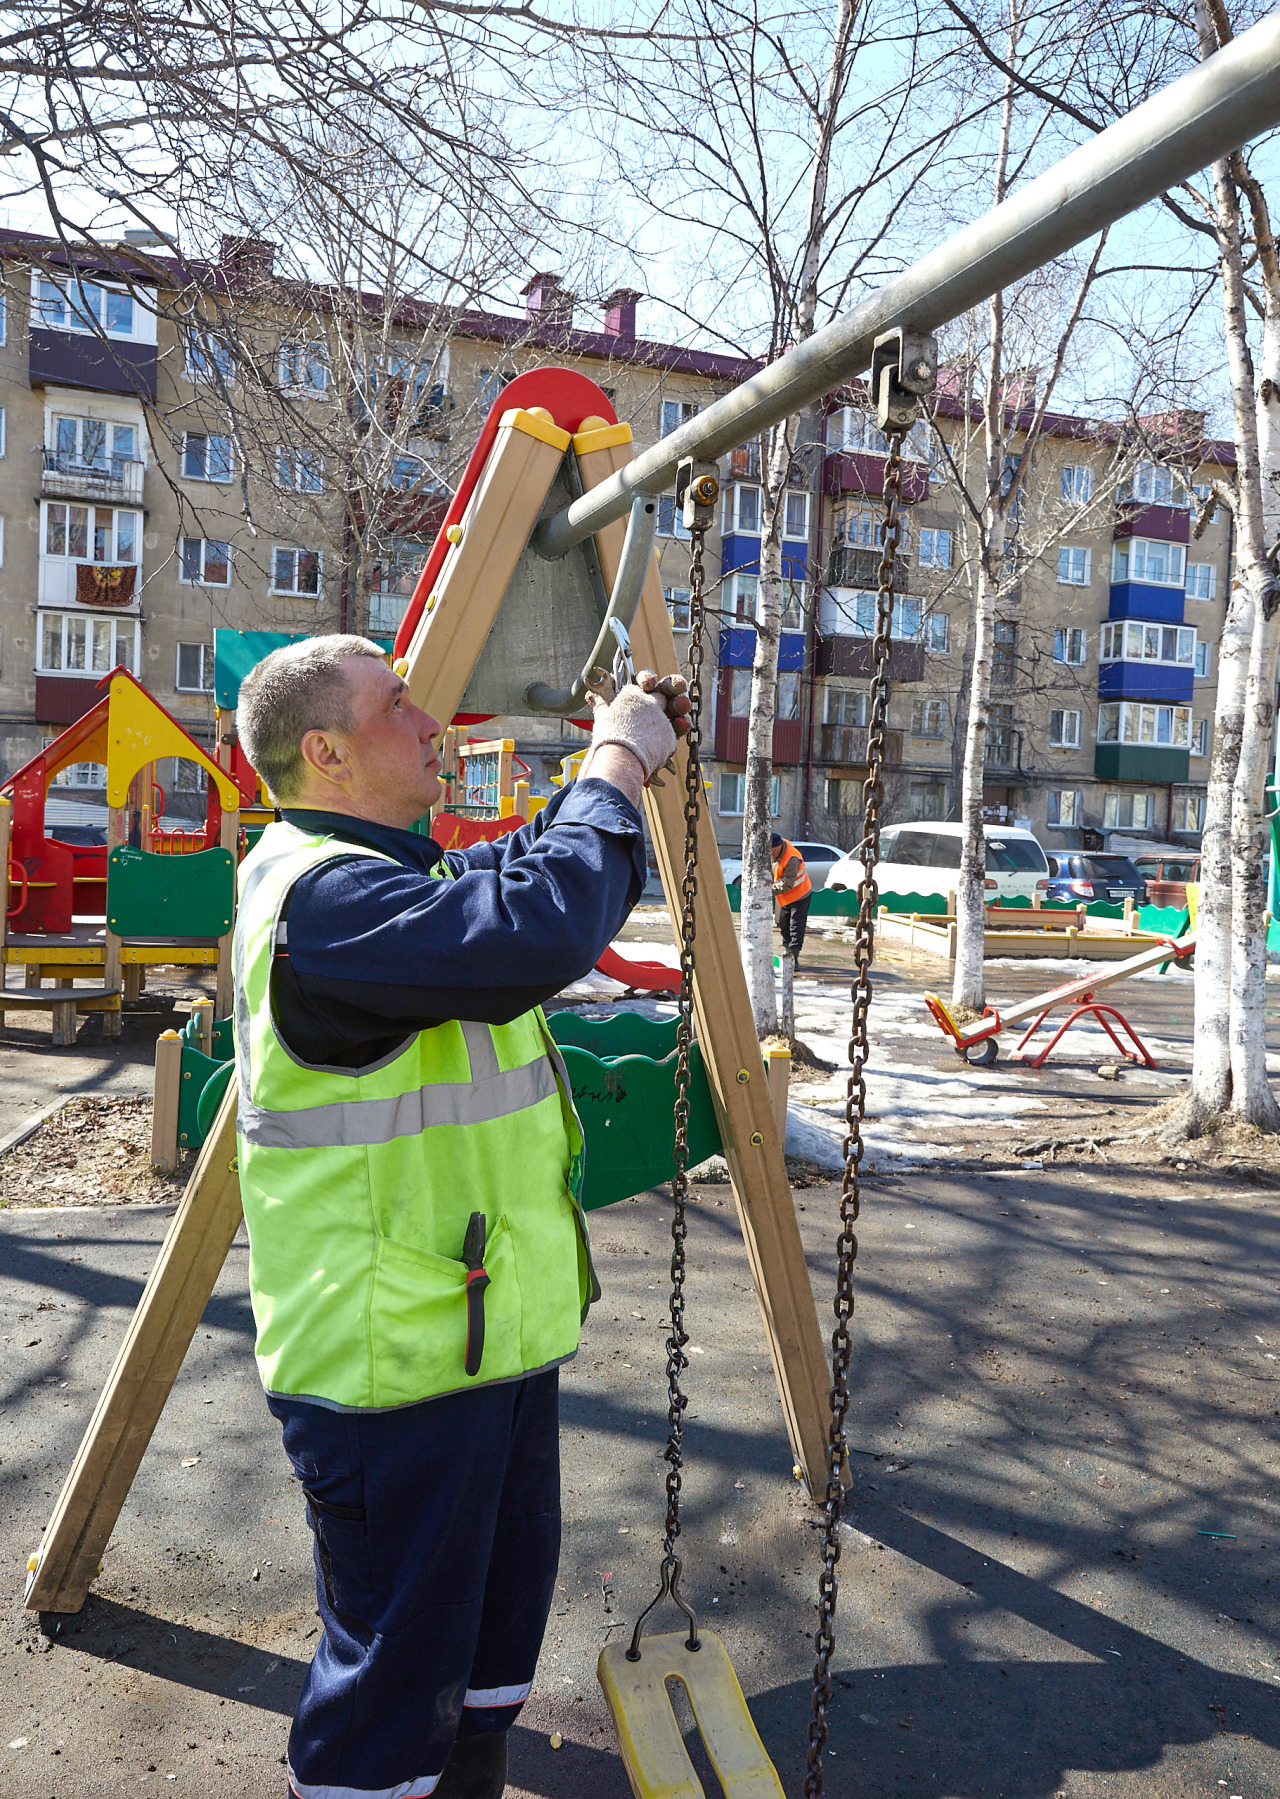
[
  {"x": 1146, "y": 681},
  {"x": 857, "y": 471},
  {"x": 78, "y": 359},
  {"x": 1139, "y": 599},
  {"x": 1153, "y": 765},
  {"x": 860, "y": 569},
  {"x": 846, "y": 746},
  {"x": 1170, "y": 523},
  {"x": 62, "y": 699},
  {"x": 844, "y": 656},
  {"x": 64, "y": 583},
  {"x": 115, "y": 482}
]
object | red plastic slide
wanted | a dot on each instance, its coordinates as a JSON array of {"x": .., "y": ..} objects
[{"x": 653, "y": 977}]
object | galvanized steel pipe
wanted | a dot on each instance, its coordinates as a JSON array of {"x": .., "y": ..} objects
[{"x": 1231, "y": 98}]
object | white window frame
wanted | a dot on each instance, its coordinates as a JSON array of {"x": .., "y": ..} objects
[
  {"x": 1200, "y": 736},
  {"x": 1067, "y": 728},
  {"x": 114, "y": 560},
  {"x": 1127, "y": 552},
  {"x": 1075, "y": 565},
  {"x": 862, "y": 697},
  {"x": 4, "y": 423},
  {"x": 1116, "y": 802},
  {"x": 1055, "y": 809},
  {"x": 674, "y": 413},
  {"x": 294, "y": 591},
  {"x": 741, "y": 594},
  {"x": 917, "y": 811},
  {"x": 1204, "y": 654},
  {"x": 790, "y": 495},
  {"x": 929, "y": 719},
  {"x": 298, "y": 362},
  {"x": 678, "y": 601},
  {"x": 206, "y": 668},
  {"x": 1185, "y": 803},
  {"x": 733, "y": 508},
  {"x": 122, "y": 627},
  {"x": 671, "y": 519},
  {"x": 930, "y": 552},
  {"x": 737, "y": 794},
  {"x": 142, "y": 318},
  {"x": 202, "y": 579},
  {"x": 1068, "y": 639},
  {"x": 1210, "y": 572},
  {"x": 1132, "y": 717},
  {"x": 207, "y": 438},
  {"x": 206, "y": 355},
  {"x": 1154, "y": 485},
  {"x": 936, "y": 633},
  {"x": 299, "y": 470},
  {"x": 1077, "y": 483},
  {"x": 1145, "y": 640}
]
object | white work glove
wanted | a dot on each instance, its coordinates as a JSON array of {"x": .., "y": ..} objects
[{"x": 645, "y": 718}]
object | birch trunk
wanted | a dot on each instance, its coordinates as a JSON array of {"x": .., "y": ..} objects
[
  {"x": 1251, "y": 1097},
  {"x": 756, "y": 924},
  {"x": 967, "y": 987}
]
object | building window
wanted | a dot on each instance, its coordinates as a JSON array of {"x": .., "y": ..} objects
[
  {"x": 937, "y": 633},
  {"x": 795, "y": 520},
  {"x": 85, "y": 306},
  {"x": 1064, "y": 730},
  {"x": 405, "y": 473},
  {"x": 935, "y": 548},
  {"x": 1133, "y": 640},
  {"x": 392, "y": 579},
  {"x": 858, "y": 610},
  {"x": 1128, "y": 811},
  {"x": 1188, "y": 812},
  {"x": 208, "y": 357},
  {"x": 1153, "y": 486},
  {"x": 299, "y": 471},
  {"x": 787, "y": 704},
  {"x": 91, "y": 533},
  {"x": 195, "y": 668},
  {"x": 733, "y": 795},
  {"x": 674, "y": 414},
  {"x": 1150, "y": 560},
  {"x": 1077, "y": 484},
  {"x": 854, "y": 527},
  {"x": 303, "y": 367},
  {"x": 793, "y": 598},
  {"x": 1004, "y": 653},
  {"x": 1075, "y": 565},
  {"x": 927, "y": 799},
  {"x": 847, "y": 706},
  {"x": 1202, "y": 658},
  {"x": 206, "y": 457},
  {"x": 295, "y": 571},
  {"x": 1065, "y": 807},
  {"x": 80, "y": 774},
  {"x": 929, "y": 718},
  {"x": 94, "y": 444},
  {"x": 1071, "y": 645},
  {"x": 205, "y": 559},
  {"x": 1200, "y": 737},
  {"x": 678, "y": 601},
  {"x": 1128, "y": 721},
  {"x": 742, "y": 512},
  {"x": 489, "y": 384},
  {"x": 739, "y": 692},
  {"x": 189, "y": 777},
  {"x": 741, "y": 594},
  {"x": 1202, "y": 581},
  {"x": 671, "y": 518},
  {"x": 843, "y": 798},
  {"x": 80, "y": 644}
]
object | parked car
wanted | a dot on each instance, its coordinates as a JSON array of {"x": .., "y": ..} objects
[
  {"x": 1167, "y": 876},
  {"x": 1078, "y": 875},
  {"x": 819, "y": 859},
  {"x": 91, "y": 836},
  {"x": 925, "y": 858}
]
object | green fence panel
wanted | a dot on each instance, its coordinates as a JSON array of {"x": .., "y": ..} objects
[
  {"x": 627, "y": 1108},
  {"x": 224, "y": 1046},
  {"x": 197, "y": 1070},
  {"x": 621, "y": 1034},
  {"x": 211, "y": 1097},
  {"x": 170, "y": 896},
  {"x": 1273, "y": 937}
]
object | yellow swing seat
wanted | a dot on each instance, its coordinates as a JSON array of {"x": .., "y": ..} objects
[{"x": 653, "y": 1751}]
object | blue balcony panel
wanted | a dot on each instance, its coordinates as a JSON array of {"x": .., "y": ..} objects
[
  {"x": 741, "y": 556},
  {"x": 1145, "y": 681},
  {"x": 1134, "y": 599},
  {"x": 738, "y": 648}
]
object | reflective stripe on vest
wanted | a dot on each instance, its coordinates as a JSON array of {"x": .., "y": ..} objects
[
  {"x": 803, "y": 885},
  {"x": 358, "y": 1186}
]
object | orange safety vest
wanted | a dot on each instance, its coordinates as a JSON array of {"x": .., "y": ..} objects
[{"x": 803, "y": 885}]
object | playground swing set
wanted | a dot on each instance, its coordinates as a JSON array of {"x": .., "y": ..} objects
[{"x": 553, "y": 471}]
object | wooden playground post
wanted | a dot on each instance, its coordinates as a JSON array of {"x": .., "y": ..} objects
[{"x": 164, "y": 1112}]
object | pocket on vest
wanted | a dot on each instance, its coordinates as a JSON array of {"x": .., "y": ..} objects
[{"x": 418, "y": 1322}]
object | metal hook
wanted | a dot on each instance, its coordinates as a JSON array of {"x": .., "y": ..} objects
[{"x": 670, "y": 1588}]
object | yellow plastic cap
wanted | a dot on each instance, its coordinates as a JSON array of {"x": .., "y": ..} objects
[
  {"x": 33, "y": 1562},
  {"x": 400, "y": 666},
  {"x": 454, "y": 533},
  {"x": 540, "y": 412}
]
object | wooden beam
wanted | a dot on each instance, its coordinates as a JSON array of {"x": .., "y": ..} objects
[
  {"x": 158, "y": 1338},
  {"x": 730, "y": 1046},
  {"x": 165, "y": 1102}
]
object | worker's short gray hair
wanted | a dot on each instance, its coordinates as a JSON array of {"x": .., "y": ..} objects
[{"x": 296, "y": 689}]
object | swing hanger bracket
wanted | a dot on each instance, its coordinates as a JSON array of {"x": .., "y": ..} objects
[
  {"x": 697, "y": 490},
  {"x": 904, "y": 367}
]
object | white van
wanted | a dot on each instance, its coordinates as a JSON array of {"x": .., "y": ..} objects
[{"x": 925, "y": 858}]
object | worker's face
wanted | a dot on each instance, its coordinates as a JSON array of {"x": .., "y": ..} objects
[{"x": 387, "y": 768}]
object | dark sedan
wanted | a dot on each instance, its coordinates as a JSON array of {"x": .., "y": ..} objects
[{"x": 1113, "y": 879}]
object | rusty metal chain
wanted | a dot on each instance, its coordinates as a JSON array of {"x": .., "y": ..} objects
[
  {"x": 854, "y": 1112},
  {"x": 677, "y": 1339}
]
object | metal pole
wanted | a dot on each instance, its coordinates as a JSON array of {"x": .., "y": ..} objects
[{"x": 1216, "y": 108}]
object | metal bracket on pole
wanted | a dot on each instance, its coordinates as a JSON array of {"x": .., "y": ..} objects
[
  {"x": 904, "y": 367},
  {"x": 633, "y": 569},
  {"x": 697, "y": 489}
]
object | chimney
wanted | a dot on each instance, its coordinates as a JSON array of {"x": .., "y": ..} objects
[
  {"x": 547, "y": 303},
  {"x": 620, "y": 314},
  {"x": 247, "y": 255}
]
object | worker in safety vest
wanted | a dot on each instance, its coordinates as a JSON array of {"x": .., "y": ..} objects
[
  {"x": 793, "y": 890},
  {"x": 410, "y": 1163}
]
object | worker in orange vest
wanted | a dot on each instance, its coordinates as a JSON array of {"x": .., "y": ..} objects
[{"x": 793, "y": 890}]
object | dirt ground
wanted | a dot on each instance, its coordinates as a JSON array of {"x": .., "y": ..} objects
[{"x": 1059, "y": 1572}]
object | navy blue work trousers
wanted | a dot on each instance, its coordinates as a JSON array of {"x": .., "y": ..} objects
[{"x": 437, "y": 1537}]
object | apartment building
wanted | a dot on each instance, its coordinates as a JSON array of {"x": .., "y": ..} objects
[{"x": 162, "y": 476}]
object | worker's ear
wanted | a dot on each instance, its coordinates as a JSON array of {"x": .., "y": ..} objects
[{"x": 327, "y": 754}]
